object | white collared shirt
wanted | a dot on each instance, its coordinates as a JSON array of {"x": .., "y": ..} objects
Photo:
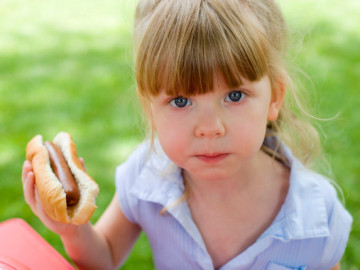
[{"x": 310, "y": 231}]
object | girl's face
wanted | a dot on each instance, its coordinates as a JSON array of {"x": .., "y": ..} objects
[{"x": 215, "y": 135}]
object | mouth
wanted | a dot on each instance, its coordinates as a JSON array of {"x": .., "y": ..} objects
[{"x": 212, "y": 158}]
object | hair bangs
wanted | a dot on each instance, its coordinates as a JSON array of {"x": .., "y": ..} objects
[{"x": 181, "y": 56}]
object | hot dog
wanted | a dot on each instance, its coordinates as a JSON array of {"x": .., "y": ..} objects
[{"x": 66, "y": 191}]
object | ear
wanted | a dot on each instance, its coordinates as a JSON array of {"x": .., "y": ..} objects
[{"x": 277, "y": 97}]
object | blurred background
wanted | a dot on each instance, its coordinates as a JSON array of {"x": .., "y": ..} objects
[{"x": 68, "y": 65}]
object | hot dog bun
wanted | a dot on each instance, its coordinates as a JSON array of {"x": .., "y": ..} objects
[{"x": 51, "y": 193}]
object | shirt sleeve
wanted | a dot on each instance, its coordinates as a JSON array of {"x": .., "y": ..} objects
[
  {"x": 339, "y": 226},
  {"x": 125, "y": 176}
]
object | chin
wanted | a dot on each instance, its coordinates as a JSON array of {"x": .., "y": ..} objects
[{"x": 210, "y": 176}]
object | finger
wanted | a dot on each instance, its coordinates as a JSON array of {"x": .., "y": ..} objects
[
  {"x": 40, "y": 211},
  {"x": 27, "y": 167},
  {"x": 29, "y": 190}
]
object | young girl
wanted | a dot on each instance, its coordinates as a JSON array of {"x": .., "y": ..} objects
[{"x": 217, "y": 186}]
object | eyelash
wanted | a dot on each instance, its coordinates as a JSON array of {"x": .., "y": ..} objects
[
  {"x": 173, "y": 101},
  {"x": 242, "y": 96}
]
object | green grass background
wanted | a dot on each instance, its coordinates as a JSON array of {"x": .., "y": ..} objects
[{"x": 67, "y": 65}]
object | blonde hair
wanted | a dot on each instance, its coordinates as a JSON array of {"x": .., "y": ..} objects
[{"x": 179, "y": 45}]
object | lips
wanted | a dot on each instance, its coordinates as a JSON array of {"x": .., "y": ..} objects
[{"x": 212, "y": 158}]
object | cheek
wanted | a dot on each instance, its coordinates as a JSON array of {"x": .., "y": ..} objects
[
  {"x": 172, "y": 137},
  {"x": 258, "y": 126},
  {"x": 250, "y": 131},
  {"x": 250, "y": 138}
]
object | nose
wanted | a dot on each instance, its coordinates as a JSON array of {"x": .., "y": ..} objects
[{"x": 209, "y": 125}]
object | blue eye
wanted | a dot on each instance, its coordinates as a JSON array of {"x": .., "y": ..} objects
[
  {"x": 180, "y": 102},
  {"x": 235, "y": 96}
]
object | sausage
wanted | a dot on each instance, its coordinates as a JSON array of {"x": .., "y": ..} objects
[
  {"x": 50, "y": 190},
  {"x": 63, "y": 173}
]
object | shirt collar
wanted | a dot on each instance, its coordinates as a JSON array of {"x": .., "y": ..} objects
[
  {"x": 303, "y": 214},
  {"x": 160, "y": 180}
]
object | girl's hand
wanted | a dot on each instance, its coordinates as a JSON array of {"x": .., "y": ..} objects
[{"x": 33, "y": 200}]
